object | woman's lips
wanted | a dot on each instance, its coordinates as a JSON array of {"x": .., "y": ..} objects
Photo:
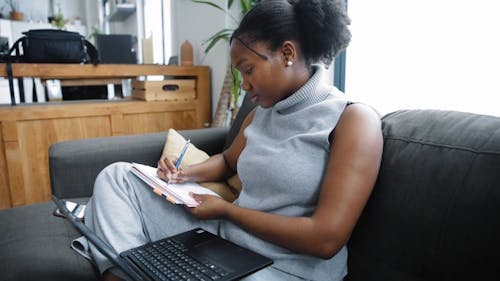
[{"x": 254, "y": 98}]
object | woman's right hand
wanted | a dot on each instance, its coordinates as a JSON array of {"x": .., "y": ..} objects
[{"x": 167, "y": 171}]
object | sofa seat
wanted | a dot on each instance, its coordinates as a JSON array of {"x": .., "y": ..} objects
[{"x": 35, "y": 245}]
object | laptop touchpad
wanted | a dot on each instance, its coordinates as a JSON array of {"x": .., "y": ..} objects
[{"x": 218, "y": 249}]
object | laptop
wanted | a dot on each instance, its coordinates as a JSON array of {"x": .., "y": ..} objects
[{"x": 192, "y": 255}]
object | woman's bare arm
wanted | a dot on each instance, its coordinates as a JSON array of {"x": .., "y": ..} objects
[{"x": 352, "y": 170}]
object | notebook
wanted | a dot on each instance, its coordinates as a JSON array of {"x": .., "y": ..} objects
[
  {"x": 192, "y": 255},
  {"x": 174, "y": 193}
]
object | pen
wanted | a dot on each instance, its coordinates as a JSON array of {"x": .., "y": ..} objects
[
  {"x": 181, "y": 156},
  {"x": 183, "y": 152}
]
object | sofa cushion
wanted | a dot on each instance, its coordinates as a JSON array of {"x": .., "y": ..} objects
[
  {"x": 35, "y": 245},
  {"x": 434, "y": 213}
]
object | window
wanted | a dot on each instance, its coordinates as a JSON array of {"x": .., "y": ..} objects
[
  {"x": 157, "y": 28},
  {"x": 441, "y": 54}
]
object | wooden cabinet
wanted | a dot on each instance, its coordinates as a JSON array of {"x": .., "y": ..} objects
[{"x": 27, "y": 131}]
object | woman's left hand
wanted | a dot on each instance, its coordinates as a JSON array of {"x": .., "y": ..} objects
[{"x": 211, "y": 207}]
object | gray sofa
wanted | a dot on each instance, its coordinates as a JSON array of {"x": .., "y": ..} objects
[{"x": 434, "y": 213}]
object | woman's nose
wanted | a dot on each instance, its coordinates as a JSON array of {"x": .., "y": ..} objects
[{"x": 245, "y": 86}]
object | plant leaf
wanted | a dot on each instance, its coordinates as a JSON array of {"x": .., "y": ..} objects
[
  {"x": 222, "y": 31},
  {"x": 246, "y": 5},
  {"x": 224, "y": 34},
  {"x": 236, "y": 85},
  {"x": 229, "y": 3},
  {"x": 210, "y": 4}
]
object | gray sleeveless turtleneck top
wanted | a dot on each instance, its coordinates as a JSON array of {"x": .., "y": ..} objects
[{"x": 282, "y": 168}]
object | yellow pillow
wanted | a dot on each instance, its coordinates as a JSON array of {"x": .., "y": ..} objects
[{"x": 228, "y": 190}]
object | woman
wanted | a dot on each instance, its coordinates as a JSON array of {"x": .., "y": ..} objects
[{"x": 308, "y": 159}]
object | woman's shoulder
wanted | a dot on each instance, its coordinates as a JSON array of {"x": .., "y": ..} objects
[
  {"x": 249, "y": 118},
  {"x": 359, "y": 127},
  {"x": 357, "y": 111},
  {"x": 359, "y": 119},
  {"x": 363, "y": 107}
]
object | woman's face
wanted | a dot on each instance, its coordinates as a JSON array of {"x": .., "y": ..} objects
[{"x": 267, "y": 81}]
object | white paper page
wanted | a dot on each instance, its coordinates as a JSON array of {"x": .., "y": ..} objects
[{"x": 179, "y": 191}]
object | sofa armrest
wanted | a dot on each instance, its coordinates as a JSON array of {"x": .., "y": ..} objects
[{"x": 75, "y": 164}]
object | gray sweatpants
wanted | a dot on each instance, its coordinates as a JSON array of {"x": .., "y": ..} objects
[{"x": 125, "y": 213}]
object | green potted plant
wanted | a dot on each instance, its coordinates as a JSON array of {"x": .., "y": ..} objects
[
  {"x": 15, "y": 14},
  {"x": 227, "y": 107},
  {"x": 58, "y": 19}
]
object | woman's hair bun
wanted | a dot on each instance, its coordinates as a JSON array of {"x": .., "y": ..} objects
[{"x": 323, "y": 27}]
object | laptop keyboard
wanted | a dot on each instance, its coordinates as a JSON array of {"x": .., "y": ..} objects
[{"x": 167, "y": 260}]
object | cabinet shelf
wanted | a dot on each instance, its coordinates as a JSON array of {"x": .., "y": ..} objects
[
  {"x": 28, "y": 130},
  {"x": 122, "y": 12}
]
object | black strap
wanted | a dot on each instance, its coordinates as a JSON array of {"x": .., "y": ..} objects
[
  {"x": 11, "y": 84},
  {"x": 14, "y": 50},
  {"x": 34, "y": 93},
  {"x": 92, "y": 52},
  {"x": 20, "y": 86}
]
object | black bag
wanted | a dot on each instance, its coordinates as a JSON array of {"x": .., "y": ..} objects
[
  {"x": 48, "y": 46},
  {"x": 53, "y": 46}
]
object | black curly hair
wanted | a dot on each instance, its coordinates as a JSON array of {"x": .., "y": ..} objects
[{"x": 320, "y": 26}]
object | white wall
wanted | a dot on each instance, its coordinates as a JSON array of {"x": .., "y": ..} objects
[
  {"x": 425, "y": 54},
  {"x": 196, "y": 23},
  {"x": 38, "y": 10},
  {"x": 91, "y": 17},
  {"x": 127, "y": 26}
]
